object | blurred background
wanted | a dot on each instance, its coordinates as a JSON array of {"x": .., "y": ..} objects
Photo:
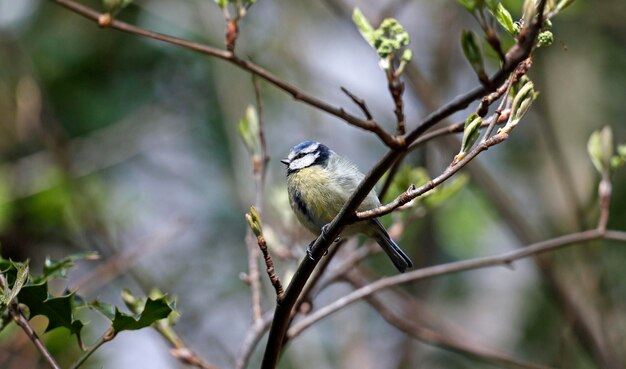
[{"x": 129, "y": 147}]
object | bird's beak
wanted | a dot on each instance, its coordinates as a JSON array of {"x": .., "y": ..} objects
[{"x": 285, "y": 161}]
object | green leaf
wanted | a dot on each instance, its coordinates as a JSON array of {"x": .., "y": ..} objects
[
  {"x": 443, "y": 193},
  {"x": 59, "y": 268},
  {"x": 103, "y": 308},
  {"x": 504, "y": 18},
  {"x": 600, "y": 149},
  {"x": 363, "y": 25},
  {"x": 11, "y": 291},
  {"x": 249, "y": 131},
  {"x": 406, "y": 177},
  {"x": 469, "y": 43},
  {"x": 254, "y": 221},
  {"x": 58, "y": 310},
  {"x": 471, "y": 132},
  {"x": 563, "y": 4},
  {"x": 152, "y": 311},
  {"x": 388, "y": 38},
  {"x": 521, "y": 103}
]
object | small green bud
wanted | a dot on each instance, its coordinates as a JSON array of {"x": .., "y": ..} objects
[
  {"x": 521, "y": 103},
  {"x": 471, "y": 132},
  {"x": 545, "y": 38},
  {"x": 249, "y": 130},
  {"x": 600, "y": 149},
  {"x": 407, "y": 55},
  {"x": 254, "y": 221}
]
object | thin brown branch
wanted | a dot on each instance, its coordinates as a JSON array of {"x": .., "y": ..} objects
[
  {"x": 253, "y": 278},
  {"x": 255, "y": 332},
  {"x": 106, "y": 337},
  {"x": 359, "y": 102},
  {"x": 413, "y": 192},
  {"x": 230, "y": 57},
  {"x": 517, "y": 54},
  {"x": 15, "y": 313},
  {"x": 396, "y": 89},
  {"x": 433, "y": 337},
  {"x": 505, "y": 259},
  {"x": 271, "y": 272},
  {"x": 19, "y": 318}
]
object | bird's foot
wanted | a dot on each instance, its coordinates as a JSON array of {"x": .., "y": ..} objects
[{"x": 309, "y": 250}]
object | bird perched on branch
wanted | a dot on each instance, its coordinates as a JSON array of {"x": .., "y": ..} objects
[{"x": 320, "y": 182}]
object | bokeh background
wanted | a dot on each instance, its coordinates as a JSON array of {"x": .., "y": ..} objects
[{"x": 129, "y": 147}]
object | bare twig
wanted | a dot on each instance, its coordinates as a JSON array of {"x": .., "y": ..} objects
[
  {"x": 16, "y": 314},
  {"x": 505, "y": 259},
  {"x": 271, "y": 273},
  {"x": 396, "y": 89},
  {"x": 106, "y": 337},
  {"x": 413, "y": 192},
  {"x": 432, "y": 337},
  {"x": 229, "y": 56},
  {"x": 359, "y": 102},
  {"x": 255, "y": 332},
  {"x": 516, "y": 54}
]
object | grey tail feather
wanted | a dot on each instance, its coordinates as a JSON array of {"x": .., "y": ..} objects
[{"x": 397, "y": 256}]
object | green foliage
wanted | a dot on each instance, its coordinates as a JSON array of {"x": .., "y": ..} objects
[
  {"x": 254, "y": 221},
  {"x": 59, "y": 268},
  {"x": 471, "y": 132},
  {"x": 58, "y": 310},
  {"x": 408, "y": 176},
  {"x": 32, "y": 292},
  {"x": 152, "y": 311},
  {"x": 471, "y": 50},
  {"x": 249, "y": 131},
  {"x": 19, "y": 272},
  {"x": 522, "y": 99},
  {"x": 504, "y": 18},
  {"x": 388, "y": 39},
  {"x": 601, "y": 151}
]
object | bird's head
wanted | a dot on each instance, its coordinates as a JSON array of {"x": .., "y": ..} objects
[{"x": 306, "y": 154}]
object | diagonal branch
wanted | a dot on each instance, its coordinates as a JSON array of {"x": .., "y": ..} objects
[
  {"x": 516, "y": 55},
  {"x": 447, "y": 340},
  {"x": 229, "y": 56},
  {"x": 16, "y": 314},
  {"x": 413, "y": 192},
  {"x": 505, "y": 259}
]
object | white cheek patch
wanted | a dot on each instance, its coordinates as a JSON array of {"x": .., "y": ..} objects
[{"x": 303, "y": 162}]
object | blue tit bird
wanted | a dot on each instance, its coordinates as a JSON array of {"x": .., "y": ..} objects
[{"x": 320, "y": 182}]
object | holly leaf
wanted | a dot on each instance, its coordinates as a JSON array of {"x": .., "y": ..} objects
[
  {"x": 153, "y": 310},
  {"x": 58, "y": 310},
  {"x": 59, "y": 268},
  {"x": 103, "y": 308}
]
